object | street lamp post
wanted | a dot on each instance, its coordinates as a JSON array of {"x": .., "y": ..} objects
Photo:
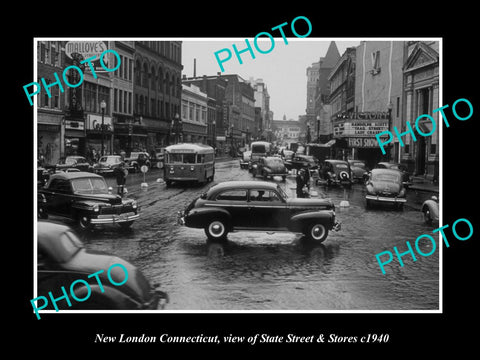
[
  {"x": 231, "y": 141},
  {"x": 389, "y": 108},
  {"x": 103, "y": 105},
  {"x": 318, "y": 129}
]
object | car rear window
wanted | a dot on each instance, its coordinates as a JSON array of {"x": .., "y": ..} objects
[{"x": 232, "y": 195}]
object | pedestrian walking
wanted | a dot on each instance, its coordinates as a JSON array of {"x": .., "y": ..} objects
[
  {"x": 300, "y": 179},
  {"x": 121, "y": 176}
]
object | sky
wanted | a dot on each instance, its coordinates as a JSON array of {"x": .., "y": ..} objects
[{"x": 283, "y": 69}]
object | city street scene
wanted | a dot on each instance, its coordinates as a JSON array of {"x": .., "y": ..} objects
[{"x": 233, "y": 190}]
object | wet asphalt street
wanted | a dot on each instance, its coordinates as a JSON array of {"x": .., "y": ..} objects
[{"x": 281, "y": 271}]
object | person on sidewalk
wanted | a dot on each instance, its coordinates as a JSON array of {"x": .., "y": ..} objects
[
  {"x": 121, "y": 176},
  {"x": 300, "y": 180}
]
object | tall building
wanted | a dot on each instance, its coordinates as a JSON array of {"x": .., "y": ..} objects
[
  {"x": 194, "y": 114},
  {"x": 50, "y": 110},
  {"x": 318, "y": 91},
  {"x": 127, "y": 131},
  {"x": 214, "y": 86},
  {"x": 157, "y": 91},
  {"x": 378, "y": 98},
  {"x": 262, "y": 100},
  {"x": 421, "y": 96}
]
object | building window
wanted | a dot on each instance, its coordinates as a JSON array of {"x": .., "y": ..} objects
[
  {"x": 398, "y": 106},
  {"x": 375, "y": 62},
  {"x": 433, "y": 148},
  {"x": 115, "y": 99},
  {"x": 423, "y": 101}
]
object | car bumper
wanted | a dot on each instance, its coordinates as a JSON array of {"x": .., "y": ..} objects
[
  {"x": 386, "y": 199},
  {"x": 181, "y": 218},
  {"x": 114, "y": 219}
]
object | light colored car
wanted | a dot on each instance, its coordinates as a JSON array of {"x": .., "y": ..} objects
[
  {"x": 385, "y": 186},
  {"x": 430, "y": 211}
]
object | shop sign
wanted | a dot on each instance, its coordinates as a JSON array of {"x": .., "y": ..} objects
[
  {"x": 74, "y": 125},
  {"x": 88, "y": 50},
  {"x": 360, "y": 128},
  {"x": 362, "y": 142},
  {"x": 94, "y": 122}
]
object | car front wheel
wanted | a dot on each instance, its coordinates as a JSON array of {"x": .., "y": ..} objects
[
  {"x": 316, "y": 232},
  {"x": 216, "y": 230}
]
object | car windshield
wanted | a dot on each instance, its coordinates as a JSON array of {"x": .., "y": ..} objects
[
  {"x": 386, "y": 177},
  {"x": 181, "y": 158},
  {"x": 110, "y": 159},
  {"x": 70, "y": 161},
  {"x": 358, "y": 164},
  {"x": 258, "y": 149},
  {"x": 341, "y": 166},
  {"x": 274, "y": 162},
  {"x": 90, "y": 186}
]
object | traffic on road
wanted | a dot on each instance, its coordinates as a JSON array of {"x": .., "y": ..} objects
[{"x": 241, "y": 238}]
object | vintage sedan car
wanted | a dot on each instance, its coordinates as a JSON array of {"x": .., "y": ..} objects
[
  {"x": 335, "y": 172},
  {"x": 269, "y": 167},
  {"x": 430, "y": 210},
  {"x": 258, "y": 206},
  {"x": 63, "y": 259},
  {"x": 73, "y": 162},
  {"x": 85, "y": 198},
  {"x": 395, "y": 166},
  {"x": 385, "y": 186},
  {"x": 137, "y": 159},
  {"x": 107, "y": 164},
  {"x": 301, "y": 161},
  {"x": 359, "y": 170}
]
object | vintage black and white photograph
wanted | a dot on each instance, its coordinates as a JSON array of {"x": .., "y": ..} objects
[{"x": 269, "y": 174}]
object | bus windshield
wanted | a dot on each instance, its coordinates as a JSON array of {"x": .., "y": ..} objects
[{"x": 177, "y": 158}]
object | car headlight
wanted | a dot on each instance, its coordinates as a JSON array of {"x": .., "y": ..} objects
[
  {"x": 134, "y": 204},
  {"x": 96, "y": 208}
]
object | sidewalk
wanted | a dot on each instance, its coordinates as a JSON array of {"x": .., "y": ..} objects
[
  {"x": 420, "y": 190},
  {"x": 422, "y": 184}
]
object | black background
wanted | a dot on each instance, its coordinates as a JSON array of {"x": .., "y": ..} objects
[{"x": 410, "y": 333}]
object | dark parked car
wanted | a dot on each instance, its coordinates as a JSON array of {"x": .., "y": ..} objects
[
  {"x": 335, "y": 172},
  {"x": 137, "y": 159},
  {"x": 63, "y": 259},
  {"x": 270, "y": 167},
  {"x": 107, "y": 164},
  {"x": 73, "y": 162},
  {"x": 85, "y": 198},
  {"x": 359, "y": 170},
  {"x": 385, "y": 186},
  {"x": 301, "y": 162},
  {"x": 400, "y": 167},
  {"x": 258, "y": 205}
]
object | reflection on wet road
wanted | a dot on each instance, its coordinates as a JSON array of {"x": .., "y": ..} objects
[{"x": 281, "y": 271}]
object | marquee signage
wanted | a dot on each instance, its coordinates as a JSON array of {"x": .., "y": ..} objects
[
  {"x": 360, "y": 128},
  {"x": 363, "y": 115},
  {"x": 362, "y": 142}
]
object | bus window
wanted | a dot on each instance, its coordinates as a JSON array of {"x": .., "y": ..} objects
[
  {"x": 189, "y": 158},
  {"x": 208, "y": 157},
  {"x": 175, "y": 158},
  {"x": 200, "y": 159}
]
